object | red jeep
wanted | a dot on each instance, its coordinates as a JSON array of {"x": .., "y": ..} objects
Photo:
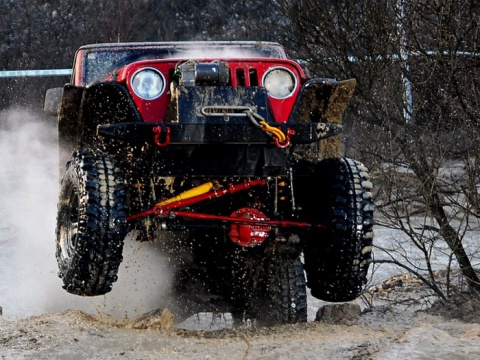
[{"x": 233, "y": 145}]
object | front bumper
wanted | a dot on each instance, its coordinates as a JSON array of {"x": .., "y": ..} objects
[{"x": 136, "y": 132}]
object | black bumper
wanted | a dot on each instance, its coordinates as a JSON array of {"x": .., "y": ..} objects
[{"x": 136, "y": 132}]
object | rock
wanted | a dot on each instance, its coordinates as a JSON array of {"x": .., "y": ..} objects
[
  {"x": 339, "y": 313},
  {"x": 462, "y": 306}
]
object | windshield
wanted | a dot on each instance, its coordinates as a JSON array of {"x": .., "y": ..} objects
[
  {"x": 103, "y": 61},
  {"x": 98, "y": 64}
]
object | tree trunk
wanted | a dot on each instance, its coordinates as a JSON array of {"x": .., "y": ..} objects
[{"x": 432, "y": 197}]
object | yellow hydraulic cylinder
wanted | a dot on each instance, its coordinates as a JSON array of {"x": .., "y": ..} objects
[{"x": 199, "y": 190}]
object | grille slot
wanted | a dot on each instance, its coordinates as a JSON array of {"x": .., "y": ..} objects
[
  {"x": 252, "y": 72},
  {"x": 245, "y": 76},
  {"x": 240, "y": 73}
]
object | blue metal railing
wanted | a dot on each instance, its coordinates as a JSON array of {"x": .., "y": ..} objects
[{"x": 30, "y": 73}]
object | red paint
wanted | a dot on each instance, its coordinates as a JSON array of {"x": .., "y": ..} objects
[
  {"x": 252, "y": 218},
  {"x": 158, "y": 131},
  {"x": 156, "y": 110},
  {"x": 237, "y": 220},
  {"x": 286, "y": 143},
  {"x": 249, "y": 234},
  {"x": 231, "y": 189},
  {"x": 79, "y": 64},
  {"x": 150, "y": 110},
  {"x": 281, "y": 108}
]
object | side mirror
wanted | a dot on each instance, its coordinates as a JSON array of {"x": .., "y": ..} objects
[{"x": 53, "y": 99}]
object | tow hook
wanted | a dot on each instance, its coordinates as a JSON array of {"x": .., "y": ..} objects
[
  {"x": 158, "y": 131},
  {"x": 286, "y": 143},
  {"x": 280, "y": 139}
]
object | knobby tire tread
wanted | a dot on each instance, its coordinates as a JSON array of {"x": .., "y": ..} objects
[
  {"x": 337, "y": 260},
  {"x": 280, "y": 296},
  {"x": 93, "y": 265}
]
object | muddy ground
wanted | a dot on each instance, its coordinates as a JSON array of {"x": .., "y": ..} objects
[{"x": 388, "y": 331}]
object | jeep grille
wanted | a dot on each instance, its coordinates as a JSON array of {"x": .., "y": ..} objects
[{"x": 245, "y": 76}]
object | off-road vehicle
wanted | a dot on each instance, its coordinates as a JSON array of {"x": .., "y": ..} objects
[{"x": 228, "y": 147}]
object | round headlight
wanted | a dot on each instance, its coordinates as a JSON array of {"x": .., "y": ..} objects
[
  {"x": 279, "y": 82},
  {"x": 148, "y": 83}
]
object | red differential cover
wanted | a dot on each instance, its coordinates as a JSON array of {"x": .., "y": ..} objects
[{"x": 249, "y": 234}]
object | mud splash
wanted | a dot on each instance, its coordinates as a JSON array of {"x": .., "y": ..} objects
[{"x": 28, "y": 193}]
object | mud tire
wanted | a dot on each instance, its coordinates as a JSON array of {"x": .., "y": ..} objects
[
  {"x": 278, "y": 291},
  {"x": 91, "y": 223},
  {"x": 337, "y": 259}
]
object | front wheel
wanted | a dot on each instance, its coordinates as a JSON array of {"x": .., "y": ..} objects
[
  {"x": 91, "y": 223},
  {"x": 337, "y": 258}
]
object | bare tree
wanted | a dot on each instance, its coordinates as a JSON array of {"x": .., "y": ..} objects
[{"x": 416, "y": 110}]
